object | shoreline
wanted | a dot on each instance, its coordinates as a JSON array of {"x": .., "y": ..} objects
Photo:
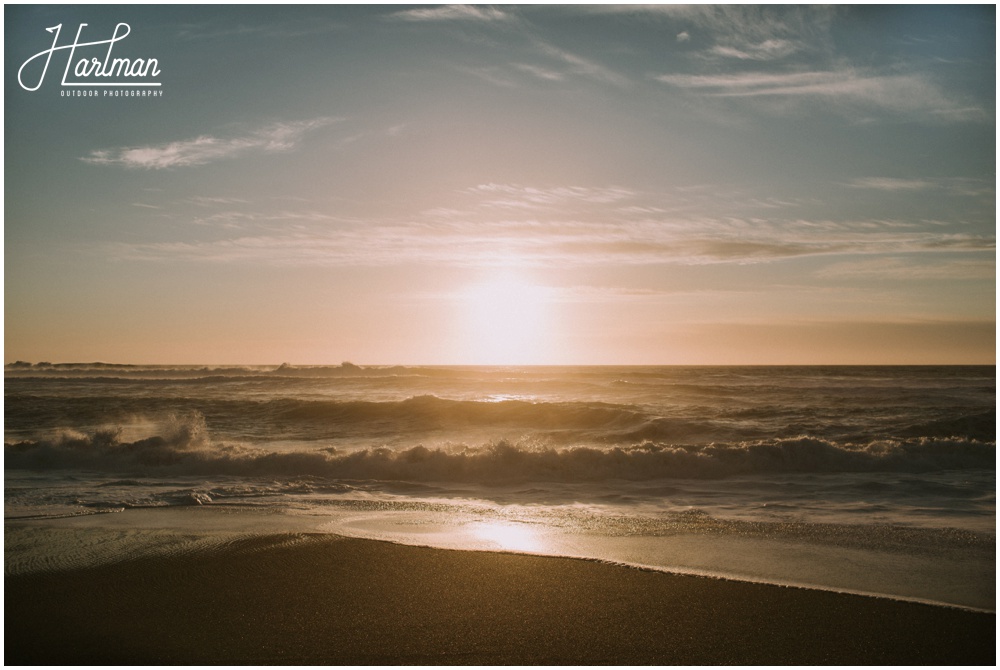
[
  {"x": 781, "y": 584},
  {"x": 57, "y": 543},
  {"x": 325, "y": 599}
]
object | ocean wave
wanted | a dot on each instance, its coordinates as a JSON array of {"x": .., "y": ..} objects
[
  {"x": 430, "y": 411},
  {"x": 249, "y": 416},
  {"x": 323, "y": 418},
  {"x": 981, "y": 426},
  {"x": 183, "y": 445}
]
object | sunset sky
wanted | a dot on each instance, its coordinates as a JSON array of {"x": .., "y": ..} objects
[{"x": 493, "y": 185}]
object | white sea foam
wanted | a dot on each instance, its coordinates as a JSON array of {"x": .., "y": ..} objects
[{"x": 182, "y": 445}]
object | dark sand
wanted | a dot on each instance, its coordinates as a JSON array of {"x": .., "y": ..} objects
[{"x": 328, "y": 600}]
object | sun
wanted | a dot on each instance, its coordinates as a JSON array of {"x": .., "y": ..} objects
[{"x": 506, "y": 321}]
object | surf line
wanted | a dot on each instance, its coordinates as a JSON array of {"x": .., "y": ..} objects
[{"x": 93, "y": 67}]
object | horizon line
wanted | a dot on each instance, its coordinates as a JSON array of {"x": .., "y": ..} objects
[{"x": 350, "y": 364}]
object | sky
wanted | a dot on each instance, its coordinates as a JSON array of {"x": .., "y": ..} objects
[{"x": 594, "y": 184}]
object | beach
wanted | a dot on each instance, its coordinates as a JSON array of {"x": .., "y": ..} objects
[
  {"x": 564, "y": 516},
  {"x": 322, "y": 599}
]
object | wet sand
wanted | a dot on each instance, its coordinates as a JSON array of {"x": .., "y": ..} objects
[{"x": 330, "y": 600}]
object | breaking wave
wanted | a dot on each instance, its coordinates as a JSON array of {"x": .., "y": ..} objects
[
  {"x": 411, "y": 419},
  {"x": 182, "y": 445}
]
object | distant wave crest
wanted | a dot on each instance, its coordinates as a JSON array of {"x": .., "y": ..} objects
[
  {"x": 99, "y": 371},
  {"x": 412, "y": 419}
]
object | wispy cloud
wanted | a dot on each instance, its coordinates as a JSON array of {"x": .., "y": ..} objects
[
  {"x": 275, "y": 137},
  {"x": 747, "y": 32},
  {"x": 257, "y": 220},
  {"x": 492, "y": 74},
  {"x": 579, "y": 65},
  {"x": 313, "y": 238},
  {"x": 954, "y": 185},
  {"x": 554, "y": 226},
  {"x": 540, "y": 72},
  {"x": 849, "y": 86},
  {"x": 728, "y": 39},
  {"x": 556, "y": 65},
  {"x": 523, "y": 197},
  {"x": 212, "y": 201},
  {"x": 270, "y": 30},
  {"x": 452, "y": 13},
  {"x": 911, "y": 270},
  {"x": 766, "y": 50},
  {"x": 892, "y": 184}
]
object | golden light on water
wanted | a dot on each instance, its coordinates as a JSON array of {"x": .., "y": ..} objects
[{"x": 508, "y": 536}]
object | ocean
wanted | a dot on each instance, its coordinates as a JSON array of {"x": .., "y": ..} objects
[{"x": 872, "y": 480}]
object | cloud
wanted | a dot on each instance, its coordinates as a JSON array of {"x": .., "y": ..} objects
[
  {"x": 245, "y": 219},
  {"x": 582, "y": 66},
  {"x": 540, "y": 72},
  {"x": 561, "y": 66},
  {"x": 314, "y": 238},
  {"x": 517, "y": 196},
  {"x": 751, "y": 32},
  {"x": 491, "y": 74},
  {"x": 954, "y": 185},
  {"x": 275, "y": 137},
  {"x": 773, "y": 49},
  {"x": 905, "y": 93},
  {"x": 292, "y": 28},
  {"x": 683, "y": 36},
  {"x": 900, "y": 269},
  {"x": 453, "y": 13},
  {"x": 816, "y": 83},
  {"x": 892, "y": 184},
  {"x": 489, "y": 224},
  {"x": 816, "y": 66},
  {"x": 211, "y": 201}
]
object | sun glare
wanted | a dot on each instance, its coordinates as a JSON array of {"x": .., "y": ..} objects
[
  {"x": 507, "y": 321},
  {"x": 509, "y": 537}
]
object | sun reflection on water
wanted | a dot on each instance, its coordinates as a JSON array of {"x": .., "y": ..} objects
[{"x": 509, "y": 536}]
